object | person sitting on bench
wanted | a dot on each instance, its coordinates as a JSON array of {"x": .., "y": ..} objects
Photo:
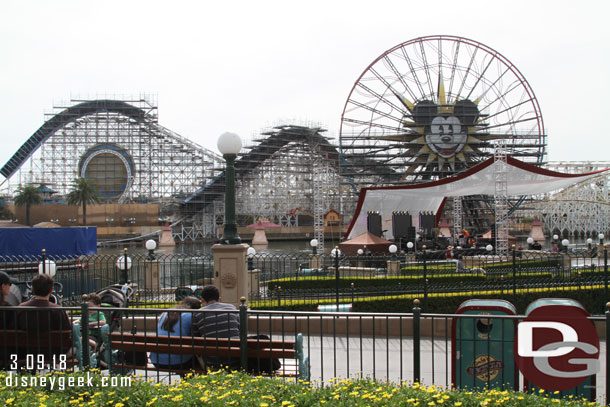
[
  {"x": 46, "y": 317},
  {"x": 226, "y": 325},
  {"x": 175, "y": 323},
  {"x": 217, "y": 325}
]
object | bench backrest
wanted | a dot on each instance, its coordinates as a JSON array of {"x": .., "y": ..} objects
[{"x": 208, "y": 346}]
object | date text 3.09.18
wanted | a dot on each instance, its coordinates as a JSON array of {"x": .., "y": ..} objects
[{"x": 40, "y": 362}]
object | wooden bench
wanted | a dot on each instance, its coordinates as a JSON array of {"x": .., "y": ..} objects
[
  {"x": 23, "y": 344},
  {"x": 290, "y": 353}
]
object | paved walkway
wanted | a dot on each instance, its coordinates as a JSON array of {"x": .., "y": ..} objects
[{"x": 385, "y": 359}]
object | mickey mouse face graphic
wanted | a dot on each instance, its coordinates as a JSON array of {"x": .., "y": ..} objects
[
  {"x": 445, "y": 127},
  {"x": 446, "y": 137}
]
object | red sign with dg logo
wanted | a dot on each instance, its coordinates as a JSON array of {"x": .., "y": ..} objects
[{"x": 556, "y": 346}]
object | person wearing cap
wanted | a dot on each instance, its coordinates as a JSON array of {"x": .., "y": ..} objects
[
  {"x": 14, "y": 296},
  {"x": 7, "y": 317}
]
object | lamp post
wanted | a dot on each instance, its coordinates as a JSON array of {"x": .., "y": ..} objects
[
  {"x": 47, "y": 266},
  {"x": 124, "y": 264},
  {"x": 530, "y": 242},
  {"x": 564, "y": 244},
  {"x": 409, "y": 246},
  {"x": 489, "y": 248},
  {"x": 314, "y": 246},
  {"x": 393, "y": 250},
  {"x": 589, "y": 243},
  {"x": 601, "y": 238},
  {"x": 336, "y": 253},
  {"x": 229, "y": 145},
  {"x": 151, "y": 245}
]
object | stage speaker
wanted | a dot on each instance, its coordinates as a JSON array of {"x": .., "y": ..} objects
[
  {"x": 401, "y": 222},
  {"x": 373, "y": 223},
  {"x": 427, "y": 222}
]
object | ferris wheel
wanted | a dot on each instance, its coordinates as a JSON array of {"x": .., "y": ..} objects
[{"x": 433, "y": 107}]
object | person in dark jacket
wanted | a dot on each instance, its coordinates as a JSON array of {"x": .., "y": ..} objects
[
  {"x": 43, "y": 316},
  {"x": 48, "y": 316},
  {"x": 7, "y": 317}
]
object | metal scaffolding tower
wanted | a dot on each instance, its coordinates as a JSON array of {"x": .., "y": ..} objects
[
  {"x": 501, "y": 198},
  {"x": 582, "y": 210},
  {"x": 322, "y": 183},
  {"x": 120, "y": 145},
  {"x": 284, "y": 176},
  {"x": 457, "y": 217}
]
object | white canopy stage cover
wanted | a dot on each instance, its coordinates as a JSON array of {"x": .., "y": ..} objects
[{"x": 523, "y": 179}]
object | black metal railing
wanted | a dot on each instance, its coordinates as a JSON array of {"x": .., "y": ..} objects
[
  {"x": 411, "y": 346},
  {"x": 302, "y": 281}
]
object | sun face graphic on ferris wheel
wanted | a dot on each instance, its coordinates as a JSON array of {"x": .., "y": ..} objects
[
  {"x": 445, "y": 131},
  {"x": 433, "y": 107}
]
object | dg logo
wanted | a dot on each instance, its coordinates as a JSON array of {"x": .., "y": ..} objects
[{"x": 557, "y": 347}]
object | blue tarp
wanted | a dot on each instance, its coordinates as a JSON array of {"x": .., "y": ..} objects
[{"x": 69, "y": 242}]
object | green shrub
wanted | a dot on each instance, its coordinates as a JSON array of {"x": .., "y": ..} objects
[{"x": 592, "y": 297}]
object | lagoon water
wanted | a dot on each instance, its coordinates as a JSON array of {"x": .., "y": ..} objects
[
  {"x": 205, "y": 248},
  {"x": 274, "y": 247}
]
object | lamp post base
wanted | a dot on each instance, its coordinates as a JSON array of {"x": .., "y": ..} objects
[
  {"x": 231, "y": 272},
  {"x": 229, "y": 235}
]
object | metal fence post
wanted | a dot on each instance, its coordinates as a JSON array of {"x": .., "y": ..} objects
[
  {"x": 44, "y": 262},
  {"x": 425, "y": 281},
  {"x": 606, "y": 272},
  {"x": 243, "y": 334},
  {"x": 279, "y": 296},
  {"x": 514, "y": 276},
  {"x": 416, "y": 342},
  {"x": 85, "y": 333},
  {"x": 337, "y": 276},
  {"x": 607, "y": 353}
]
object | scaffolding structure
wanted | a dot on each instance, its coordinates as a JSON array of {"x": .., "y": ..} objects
[
  {"x": 119, "y": 145},
  {"x": 288, "y": 176},
  {"x": 457, "y": 217},
  {"x": 582, "y": 210},
  {"x": 501, "y": 198}
]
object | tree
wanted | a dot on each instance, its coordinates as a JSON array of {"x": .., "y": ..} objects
[
  {"x": 83, "y": 193},
  {"x": 27, "y": 196}
]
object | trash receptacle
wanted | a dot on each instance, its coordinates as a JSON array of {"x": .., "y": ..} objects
[
  {"x": 557, "y": 348},
  {"x": 482, "y": 346}
]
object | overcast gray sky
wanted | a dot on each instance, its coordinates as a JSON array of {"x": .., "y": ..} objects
[{"x": 244, "y": 65}]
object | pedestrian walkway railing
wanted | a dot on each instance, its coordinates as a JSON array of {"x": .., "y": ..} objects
[{"x": 441, "y": 349}]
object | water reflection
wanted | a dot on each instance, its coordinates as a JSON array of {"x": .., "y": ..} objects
[
  {"x": 205, "y": 248},
  {"x": 282, "y": 247}
]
